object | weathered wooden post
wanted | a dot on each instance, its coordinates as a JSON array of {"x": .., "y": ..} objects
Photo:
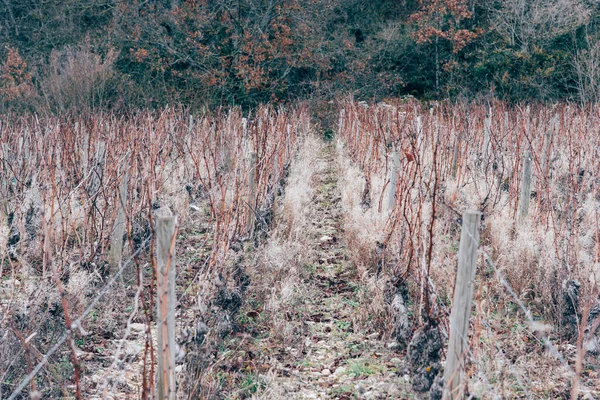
[
  {"x": 486, "y": 136},
  {"x": 461, "y": 306},
  {"x": 455, "y": 154},
  {"x": 165, "y": 306},
  {"x": 245, "y": 139},
  {"x": 276, "y": 179},
  {"x": 393, "y": 180},
  {"x": 419, "y": 136},
  {"x": 188, "y": 141},
  {"x": 251, "y": 193},
  {"x": 546, "y": 153},
  {"x": 26, "y": 144},
  {"x": 4, "y": 180},
  {"x": 287, "y": 142},
  {"x": 97, "y": 177},
  {"x": 525, "y": 194},
  {"x": 116, "y": 241},
  {"x": 4, "y": 195}
]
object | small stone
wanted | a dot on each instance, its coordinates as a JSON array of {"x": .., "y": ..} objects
[
  {"x": 393, "y": 391},
  {"x": 396, "y": 361},
  {"x": 340, "y": 371},
  {"x": 132, "y": 349},
  {"x": 137, "y": 327},
  {"x": 35, "y": 395},
  {"x": 326, "y": 238},
  {"x": 326, "y": 372}
]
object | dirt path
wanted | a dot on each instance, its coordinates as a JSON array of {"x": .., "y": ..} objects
[{"x": 337, "y": 361}]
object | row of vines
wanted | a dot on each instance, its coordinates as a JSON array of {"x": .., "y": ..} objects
[
  {"x": 78, "y": 197},
  {"x": 422, "y": 167}
]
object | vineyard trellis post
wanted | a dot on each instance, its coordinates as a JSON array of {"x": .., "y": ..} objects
[
  {"x": 188, "y": 140},
  {"x": 80, "y": 131},
  {"x": 116, "y": 240},
  {"x": 455, "y": 150},
  {"x": 4, "y": 182},
  {"x": 165, "y": 318},
  {"x": 552, "y": 129},
  {"x": 487, "y": 127},
  {"x": 461, "y": 306},
  {"x": 419, "y": 136},
  {"x": 97, "y": 177},
  {"x": 26, "y": 144},
  {"x": 525, "y": 194},
  {"x": 275, "y": 187},
  {"x": 287, "y": 140},
  {"x": 251, "y": 192},
  {"x": 393, "y": 180}
]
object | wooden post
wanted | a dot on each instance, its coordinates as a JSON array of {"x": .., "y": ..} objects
[
  {"x": 546, "y": 153},
  {"x": 85, "y": 148},
  {"x": 287, "y": 142},
  {"x": 165, "y": 306},
  {"x": 251, "y": 193},
  {"x": 100, "y": 159},
  {"x": 188, "y": 142},
  {"x": 455, "y": 154},
  {"x": 525, "y": 194},
  {"x": 486, "y": 136},
  {"x": 461, "y": 307},
  {"x": 276, "y": 180},
  {"x": 116, "y": 241},
  {"x": 393, "y": 180},
  {"x": 26, "y": 144},
  {"x": 245, "y": 139},
  {"x": 4, "y": 195},
  {"x": 4, "y": 181},
  {"x": 419, "y": 135}
]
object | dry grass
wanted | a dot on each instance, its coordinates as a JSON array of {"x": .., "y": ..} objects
[{"x": 364, "y": 230}]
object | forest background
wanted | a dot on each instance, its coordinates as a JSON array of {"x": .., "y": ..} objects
[{"x": 62, "y": 55}]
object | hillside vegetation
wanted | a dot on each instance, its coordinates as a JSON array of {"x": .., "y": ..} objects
[{"x": 72, "y": 54}]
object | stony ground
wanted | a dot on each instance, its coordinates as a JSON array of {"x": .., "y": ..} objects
[{"x": 335, "y": 361}]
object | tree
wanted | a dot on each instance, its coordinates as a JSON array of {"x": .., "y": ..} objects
[
  {"x": 586, "y": 63},
  {"x": 443, "y": 20},
  {"x": 240, "y": 52},
  {"x": 15, "y": 78},
  {"x": 529, "y": 23}
]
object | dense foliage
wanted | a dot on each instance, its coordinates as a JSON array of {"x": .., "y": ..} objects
[{"x": 65, "y": 54}]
